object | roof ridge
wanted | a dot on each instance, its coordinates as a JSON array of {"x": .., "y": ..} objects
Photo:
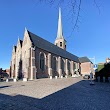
[{"x": 48, "y": 46}]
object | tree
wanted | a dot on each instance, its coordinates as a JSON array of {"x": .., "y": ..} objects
[{"x": 74, "y": 8}]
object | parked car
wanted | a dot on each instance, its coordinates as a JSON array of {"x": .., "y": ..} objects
[
  {"x": 3, "y": 78},
  {"x": 86, "y": 76}
]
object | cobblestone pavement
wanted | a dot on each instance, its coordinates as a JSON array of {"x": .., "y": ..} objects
[{"x": 54, "y": 94}]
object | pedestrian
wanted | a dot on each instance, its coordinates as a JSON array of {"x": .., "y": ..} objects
[{"x": 91, "y": 77}]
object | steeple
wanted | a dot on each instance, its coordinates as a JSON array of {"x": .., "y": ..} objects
[
  {"x": 25, "y": 29},
  {"x": 19, "y": 42},
  {"x": 60, "y": 30},
  {"x": 18, "y": 39},
  {"x": 60, "y": 41}
]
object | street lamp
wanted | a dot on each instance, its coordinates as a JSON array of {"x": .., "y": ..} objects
[{"x": 93, "y": 59}]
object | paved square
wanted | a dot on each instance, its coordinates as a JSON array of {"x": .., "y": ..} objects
[{"x": 54, "y": 94}]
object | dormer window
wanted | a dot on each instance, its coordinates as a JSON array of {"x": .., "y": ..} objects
[{"x": 60, "y": 44}]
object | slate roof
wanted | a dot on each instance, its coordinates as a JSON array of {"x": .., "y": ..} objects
[
  {"x": 84, "y": 59},
  {"x": 45, "y": 45}
]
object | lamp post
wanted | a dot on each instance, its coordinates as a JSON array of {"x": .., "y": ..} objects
[{"x": 93, "y": 59}]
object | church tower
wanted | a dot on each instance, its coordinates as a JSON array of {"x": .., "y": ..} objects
[{"x": 60, "y": 41}]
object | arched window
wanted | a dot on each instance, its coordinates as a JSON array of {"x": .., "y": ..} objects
[
  {"x": 24, "y": 62},
  {"x": 75, "y": 66},
  {"x": 69, "y": 66},
  {"x": 54, "y": 63},
  {"x": 42, "y": 62},
  {"x": 62, "y": 65},
  {"x": 60, "y": 44}
]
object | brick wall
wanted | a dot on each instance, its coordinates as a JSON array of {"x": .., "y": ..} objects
[
  {"x": 8, "y": 71},
  {"x": 85, "y": 68}
]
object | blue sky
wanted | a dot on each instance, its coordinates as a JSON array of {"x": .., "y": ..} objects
[{"x": 90, "y": 39}]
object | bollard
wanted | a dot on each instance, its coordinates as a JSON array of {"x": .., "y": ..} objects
[
  {"x": 103, "y": 79},
  {"x": 50, "y": 77},
  {"x": 24, "y": 79},
  {"x": 98, "y": 78},
  {"x": 61, "y": 77},
  {"x": 14, "y": 80},
  {"x": 108, "y": 79},
  {"x": 66, "y": 76},
  {"x": 56, "y": 77},
  {"x": 7, "y": 80},
  {"x": 72, "y": 75}
]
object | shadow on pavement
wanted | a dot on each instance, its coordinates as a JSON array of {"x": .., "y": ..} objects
[
  {"x": 79, "y": 96},
  {"x": 1, "y": 87}
]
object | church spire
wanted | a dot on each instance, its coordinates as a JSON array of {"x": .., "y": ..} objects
[
  {"x": 60, "y": 30},
  {"x": 60, "y": 41}
]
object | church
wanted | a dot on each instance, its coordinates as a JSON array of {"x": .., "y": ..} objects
[{"x": 35, "y": 57}]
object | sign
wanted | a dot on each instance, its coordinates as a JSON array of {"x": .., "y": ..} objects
[{"x": 95, "y": 66}]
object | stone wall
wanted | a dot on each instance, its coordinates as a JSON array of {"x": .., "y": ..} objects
[
  {"x": 62, "y": 67},
  {"x": 85, "y": 68}
]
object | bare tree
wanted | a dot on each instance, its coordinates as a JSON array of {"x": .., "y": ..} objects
[{"x": 74, "y": 9}]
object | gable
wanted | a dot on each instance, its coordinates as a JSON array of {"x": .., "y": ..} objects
[
  {"x": 26, "y": 40},
  {"x": 14, "y": 49}
]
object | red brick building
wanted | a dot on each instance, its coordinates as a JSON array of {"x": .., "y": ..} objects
[{"x": 86, "y": 66}]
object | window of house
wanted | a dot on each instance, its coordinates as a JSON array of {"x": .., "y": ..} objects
[
  {"x": 42, "y": 62},
  {"x": 60, "y": 44}
]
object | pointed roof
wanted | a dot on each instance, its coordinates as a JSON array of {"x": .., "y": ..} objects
[
  {"x": 20, "y": 41},
  {"x": 14, "y": 48},
  {"x": 60, "y": 30},
  {"x": 18, "y": 38},
  {"x": 25, "y": 29},
  {"x": 84, "y": 59}
]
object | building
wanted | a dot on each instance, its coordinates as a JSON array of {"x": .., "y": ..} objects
[
  {"x": 4, "y": 74},
  {"x": 107, "y": 60},
  {"x": 8, "y": 71},
  {"x": 0, "y": 70},
  {"x": 86, "y": 66},
  {"x": 35, "y": 57}
]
